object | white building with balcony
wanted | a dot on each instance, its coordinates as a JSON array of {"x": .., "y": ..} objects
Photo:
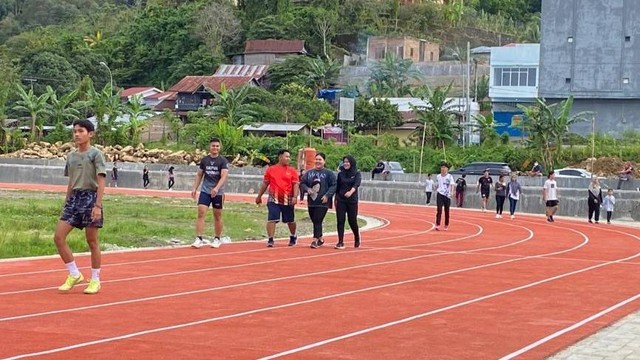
[{"x": 513, "y": 81}]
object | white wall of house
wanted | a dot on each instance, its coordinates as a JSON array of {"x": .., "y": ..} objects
[{"x": 514, "y": 73}]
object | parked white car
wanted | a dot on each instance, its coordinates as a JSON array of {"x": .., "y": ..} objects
[{"x": 574, "y": 173}]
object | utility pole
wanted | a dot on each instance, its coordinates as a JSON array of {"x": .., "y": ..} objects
[{"x": 468, "y": 110}]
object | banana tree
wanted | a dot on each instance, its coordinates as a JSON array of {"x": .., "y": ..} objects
[
  {"x": 139, "y": 114},
  {"x": 62, "y": 109},
  {"x": 32, "y": 104}
]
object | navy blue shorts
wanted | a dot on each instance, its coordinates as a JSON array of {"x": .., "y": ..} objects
[
  {"x": 77, "y": 210},
  {"x": 206, "y": 199},
  {"x": 278, "y": 212}
]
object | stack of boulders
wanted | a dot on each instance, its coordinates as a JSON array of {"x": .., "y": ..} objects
[{"x": 59, "y": 150}]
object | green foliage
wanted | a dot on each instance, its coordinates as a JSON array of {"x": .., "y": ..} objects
[
  {"x": 390, "y": 77},
  {"x": 49, "y": 69},
  {"x": 377, "y": 114}
]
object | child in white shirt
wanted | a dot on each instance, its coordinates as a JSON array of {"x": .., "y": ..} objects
[{"x": 608, "y": 203}]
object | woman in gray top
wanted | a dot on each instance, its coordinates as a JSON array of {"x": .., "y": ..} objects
[
  {"x": 501, "y": 195},
  {"x": 320, "y": 185},
  {"x": 514, "y": 190}
]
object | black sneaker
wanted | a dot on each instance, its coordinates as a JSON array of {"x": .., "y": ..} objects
[
  {"x": 293, "y": 240},
  {"x": 314, "y": 244},
  {"x": 320, "y": 242},
  {"x": 340, "y": 246},
  {"x": 356, "y": 244},
  {"x": 270, "y": 243}
]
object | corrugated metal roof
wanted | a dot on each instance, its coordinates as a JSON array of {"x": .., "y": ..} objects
[
  {"x": 274, "y": 127},
  {"x": 274, "y": 46},
  {"x": 255, "y": 71},
  {"x": 135, "y": 90},
  {"x": 162, "y": 95},
  {"x": 190, "y": 84}
]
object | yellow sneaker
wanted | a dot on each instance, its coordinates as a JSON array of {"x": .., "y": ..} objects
[
  {"x": 93, "y": 287},
  {"x": 71, "y": 282}
]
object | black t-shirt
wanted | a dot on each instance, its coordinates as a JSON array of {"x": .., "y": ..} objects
[
  {"x": 485, "y": 183},
  {"x": 461, "y": 184},
  {"x": 212, "y": 169},
  {"x": 346, "y": 181}
]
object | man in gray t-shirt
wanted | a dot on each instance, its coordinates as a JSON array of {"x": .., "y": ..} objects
[{"x": 212, "y": 174}]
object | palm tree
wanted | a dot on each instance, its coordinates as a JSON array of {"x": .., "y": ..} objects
[
  {"x": 322, "y": 73},
  {"x": 232, "y": 105},
  {"x": 436, "y": 118},
  {"x": 32, "y": 104},
  {"x": 62, "y": 109},
  {"x": 548, "y": 126},
  {"x": 103, "y": 103},
  {"x": 139, "y": 113},
  {"x": 390, "y": 77}
]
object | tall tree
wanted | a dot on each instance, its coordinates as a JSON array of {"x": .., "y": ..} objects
[
  {"x": 139, "y": 114},
  {"x": 34, "y": 105},
  {"x": 232, "y": 105},
  {"x": 322, "y": 73},
  {"x": 216, "y": 24}
]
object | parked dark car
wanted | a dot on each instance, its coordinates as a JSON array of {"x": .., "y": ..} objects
[{"x": 477, "y": 168}]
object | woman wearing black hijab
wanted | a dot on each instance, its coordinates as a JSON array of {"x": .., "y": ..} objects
[{"x": 348, "y": 182}]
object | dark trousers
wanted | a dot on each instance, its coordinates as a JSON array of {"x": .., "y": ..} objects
[
  {"x": 429, "y": 197},
  {"x": 609, "y": 213},
  {"x": 347, "y": 210},
  {"x": 145, "y": 182},
  {"x": 460, "y": 198},
  {"x": 171, "y": 182},
  {"x": 443, "y": 201},
  {"x": 594, "y": 208},
  {"x": 317, "y": 214},
  {"x": 512, "y": 205},
  {"x": 500, "y": 203}
]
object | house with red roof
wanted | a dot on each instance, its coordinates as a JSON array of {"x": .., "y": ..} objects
[{"x": 194, "y": 92}]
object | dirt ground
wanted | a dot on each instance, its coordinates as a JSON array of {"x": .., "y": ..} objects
[{"x": 606, "y": 166}]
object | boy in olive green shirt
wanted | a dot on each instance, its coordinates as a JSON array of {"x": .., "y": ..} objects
[{"x": 83, "y": 206}]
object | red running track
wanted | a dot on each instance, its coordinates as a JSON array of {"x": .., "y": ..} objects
[{"x": 487, "y": 289}]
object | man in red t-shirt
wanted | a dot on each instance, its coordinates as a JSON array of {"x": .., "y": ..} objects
[{"x": 283, "y": 182}]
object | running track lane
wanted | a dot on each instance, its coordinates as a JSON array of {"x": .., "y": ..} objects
[{"x": 485, "y": 289}]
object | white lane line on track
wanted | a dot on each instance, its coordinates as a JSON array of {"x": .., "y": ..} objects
[
  {"x": 454, "y": 306},
  {"x": 255, "y": 311},
  {"x": 570, "y": 328},
  {"x": 158, "y": 297}
]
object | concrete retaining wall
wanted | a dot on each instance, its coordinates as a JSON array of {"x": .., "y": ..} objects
[{"x": 573, "y": 202}]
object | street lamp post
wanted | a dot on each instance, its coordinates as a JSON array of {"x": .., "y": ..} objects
[{"x": 110, "y": 75}]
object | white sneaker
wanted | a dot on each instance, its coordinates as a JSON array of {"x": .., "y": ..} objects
[
  {"x": 497, "y": 216},
  {"x": 197, "y": 244},
  {"x": 484, "y": 210},
  {"x": 513, "y": 217},
  {"x": 216, "y": 243}
]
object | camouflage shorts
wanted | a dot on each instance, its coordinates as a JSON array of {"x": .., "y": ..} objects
[{"x": 77, "y": 210}]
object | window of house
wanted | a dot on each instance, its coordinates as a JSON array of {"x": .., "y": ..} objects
[
  {"x": 431, "y": 56},
  {"x": 400, "y": 50},
  {"x": 625, "y": 80},
  {"x": 411, "y": 52},
  {"x": 520, "y": 76},
  {"x": 567, "y": 80},
  {"x": 379, "y": 53},
  {"x": 627, "y": 38}
]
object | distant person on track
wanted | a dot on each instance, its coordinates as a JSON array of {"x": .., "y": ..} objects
[
  {"x": 608, "y": 203},
  {"x": 347, "y": 185},
  {"x": 514, "y": 190},
  {"x": 283, "y": 183},
  {"x": 594, "y": 200},
  {"x": 320, "y": 185},
  {"x": 446, "y": 188},
  {"x": 461, "y": 187},
  {"x": 212, "y": 173},
  {"x": 501, "y": 196},
  {"x": 428, "y": 188},
  {"x": 550, "y": 196},
  {"x": 83, "y": 205},
  {"x": 145, "y": 177},
  {"x": 114, "y": 174},
  {"x": 484, "y": 188},
  {"x": 171, "y": 176}
]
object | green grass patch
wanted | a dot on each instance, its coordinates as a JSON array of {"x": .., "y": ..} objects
[{"x": 28, "y": 221}]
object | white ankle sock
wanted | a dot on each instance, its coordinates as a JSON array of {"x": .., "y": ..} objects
[
  {"x": 73, "y": 268},
  {"x": 95, "y": 274}
]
